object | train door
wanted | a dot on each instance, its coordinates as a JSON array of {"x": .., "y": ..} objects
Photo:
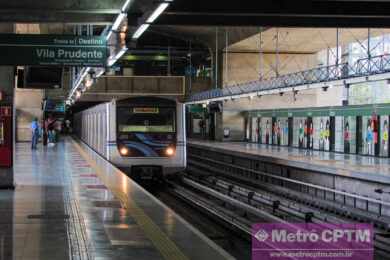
[
  {"x": 339, "y": 134},
  {"x": 332, "y": 131},
  {"x": 282, "y": 131},
  {"x": 384, "y": 136},
  {"x": 290, "y": 131},
  {"x": 254, "y": 135},
  {"x": 247, "y": 128}
]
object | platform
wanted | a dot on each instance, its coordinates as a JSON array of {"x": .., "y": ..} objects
[
  {"x": 365, "y": 168},
  {"x": 69, "y": 203}
]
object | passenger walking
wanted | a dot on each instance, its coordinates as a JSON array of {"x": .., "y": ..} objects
[{"x": 35, "y": 133}]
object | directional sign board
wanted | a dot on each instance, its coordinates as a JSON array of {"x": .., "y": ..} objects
[{"x": 56, "y": 50}]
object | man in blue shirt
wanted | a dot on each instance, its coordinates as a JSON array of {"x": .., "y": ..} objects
[{"x": 35, "y": 133}]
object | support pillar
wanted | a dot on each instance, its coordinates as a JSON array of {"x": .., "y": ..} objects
[{"x": 218, "y": 68}]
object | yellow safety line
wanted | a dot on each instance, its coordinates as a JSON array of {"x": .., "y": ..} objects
[{"x": 168, "y": 249}]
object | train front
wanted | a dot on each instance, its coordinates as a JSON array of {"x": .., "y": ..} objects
[{"x": 150, "y": 137}]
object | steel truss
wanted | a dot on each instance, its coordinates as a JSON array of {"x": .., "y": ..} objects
[{"x": 363, "y": 67}]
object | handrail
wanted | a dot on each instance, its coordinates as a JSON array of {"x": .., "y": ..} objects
[{"x": 362, "y": 67}]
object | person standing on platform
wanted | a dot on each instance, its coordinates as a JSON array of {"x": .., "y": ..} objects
[
  {"x": 67, "y": 126},
  {"x": 50, "y": 129},
  {"x": 35, "y": 133}
]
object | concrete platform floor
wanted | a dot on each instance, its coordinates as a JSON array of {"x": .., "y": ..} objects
[{"x": 63, "y": 208}]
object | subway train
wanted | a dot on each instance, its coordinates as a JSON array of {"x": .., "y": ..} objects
[{"x": 144, "y": 136}]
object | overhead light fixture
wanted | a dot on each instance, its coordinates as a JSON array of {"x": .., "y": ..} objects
[
  {"x": 140, "y": 30},
  {"x": 159, "y": 10},
  {"x": 85, "y": 72},
  {"x": 118, "y": 21},
  {"x": 109, "y": 35},
  {"x": 156, "y": 13},
  {"x": 117, "y": 56},
  {"x": 126, "y": 5},
  {"x": 100, "y": 73}
]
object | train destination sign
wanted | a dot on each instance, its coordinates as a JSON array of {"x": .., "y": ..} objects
[{"x": 56, "y": 50}]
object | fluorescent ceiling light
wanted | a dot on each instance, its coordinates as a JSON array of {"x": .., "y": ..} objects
[
  {"x": 126, "y": 5},
  {"x": 108, "y": 35},
  {"x": 99, "y": 74},
  {"x": 118, "y": 21},
  {"x": 117, "y": 56},
  {"x": 161, "y": 8},
  {"x": 85, "y": 73},
  {"x": 140, "y": 30}
]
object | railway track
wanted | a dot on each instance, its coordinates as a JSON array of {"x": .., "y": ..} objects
[{"x": 239, "y": 201}]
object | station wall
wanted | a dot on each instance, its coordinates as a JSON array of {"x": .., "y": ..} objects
[
  {"x": 28, "y": 105},
  {"x": 244, "y": 67}
]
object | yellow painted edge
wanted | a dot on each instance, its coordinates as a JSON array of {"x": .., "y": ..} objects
[{"x": 168, "y": 249}]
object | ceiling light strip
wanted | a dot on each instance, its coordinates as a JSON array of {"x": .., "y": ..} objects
[{"x": 156, "y": 13}]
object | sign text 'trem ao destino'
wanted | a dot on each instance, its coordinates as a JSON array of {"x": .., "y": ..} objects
[{"x": 56, "y": 50}]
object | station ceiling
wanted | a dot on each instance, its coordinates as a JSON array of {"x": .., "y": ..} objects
[
  {"x": 318, "y": 13},
  {"x": 196, "y": 19},
  {"x": 64, "y": 11},
  {"x": 321, "y": 13},
  {"x": 303, "y": 40}
]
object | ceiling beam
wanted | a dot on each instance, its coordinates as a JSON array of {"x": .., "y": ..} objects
[
  {"x": 100, "y": 12},
  {"x": 270, "y": 52},
  {"x": 308, "y": 13},
  {"x": 283, "y": 20}
]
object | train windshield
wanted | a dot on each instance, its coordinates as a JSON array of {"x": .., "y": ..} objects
[{"x": 146, "y": 119}]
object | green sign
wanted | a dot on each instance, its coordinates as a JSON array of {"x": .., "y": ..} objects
[
  {"x": 56, "y": 50},
  {"x": 196, "y": 109}
]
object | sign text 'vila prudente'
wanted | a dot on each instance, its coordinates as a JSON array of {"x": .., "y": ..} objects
[{"x": 56, "y": 50}]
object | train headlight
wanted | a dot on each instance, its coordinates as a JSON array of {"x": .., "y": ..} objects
[
  {"x": 170, "y": 151},
  {"x": 124, "y": 151}
]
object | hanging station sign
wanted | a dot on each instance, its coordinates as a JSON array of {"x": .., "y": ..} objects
[{"x": 55, "y": 50}]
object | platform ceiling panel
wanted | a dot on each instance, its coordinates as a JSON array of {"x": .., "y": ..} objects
[{"x": 318, "y": 13}]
